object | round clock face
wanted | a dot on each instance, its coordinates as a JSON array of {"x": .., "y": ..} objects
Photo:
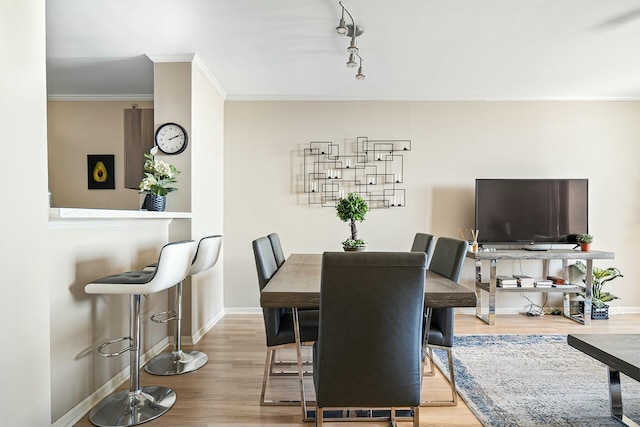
[{"x": 171, "y": 138}]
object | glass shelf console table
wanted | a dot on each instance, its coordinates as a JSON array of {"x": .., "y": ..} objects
[{"x": 493, "y": 256}]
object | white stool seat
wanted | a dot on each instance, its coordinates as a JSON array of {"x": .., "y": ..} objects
[
  {"x": 165, "y": 276},
  {"x": 178, "y": 361},
  {"x": 139, "y": 404}
]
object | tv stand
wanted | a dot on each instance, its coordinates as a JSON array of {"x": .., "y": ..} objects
[{"x": 545, "y": 256}]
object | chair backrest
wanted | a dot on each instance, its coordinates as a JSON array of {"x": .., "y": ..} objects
[
  {"x": 424, "y": 243},
  {"x": 266, "y": 267},
  {"x": 368, "y": 351},
  {"x": 174, "y": 263},
  {"x": 207, "y": 254},
  {"x": 448, "y": 257},
  {"x": 277, "y": 248}
]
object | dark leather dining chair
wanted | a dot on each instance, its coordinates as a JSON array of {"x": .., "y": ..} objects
[
  {"x": 423, "y": 242},
  {"x": 278, "y": 322},
  {"x": 368, "y": 353},
  {"x": 447, "y": 260},
  {"x": 277, "y": 248}
]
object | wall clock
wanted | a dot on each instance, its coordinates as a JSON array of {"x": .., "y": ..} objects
[{"x": 171, "y": 138}]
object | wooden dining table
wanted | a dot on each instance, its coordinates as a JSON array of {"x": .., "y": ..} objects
[{"x": 297, "y": 282}]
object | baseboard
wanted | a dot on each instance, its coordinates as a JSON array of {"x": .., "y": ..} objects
[
  {"x": 197, "y": 336},
  {"x": 77, "y": 412},
  {"x": 243, "y": 310}
]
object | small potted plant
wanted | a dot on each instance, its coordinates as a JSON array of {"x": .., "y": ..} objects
[
  {"x": 350, "y": 209},
  {"x": 157, "y": 176},
  {"x": 599, "y": 298},
  {"x": 585, "y": 241}
]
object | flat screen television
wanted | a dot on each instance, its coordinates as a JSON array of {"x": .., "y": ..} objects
[{"x": 531, "y": 211}]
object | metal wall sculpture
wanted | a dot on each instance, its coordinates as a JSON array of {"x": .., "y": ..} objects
[{"x": 372, "y": 168}]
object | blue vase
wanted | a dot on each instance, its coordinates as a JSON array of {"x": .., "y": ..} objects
[{"x": 155, "y": 203}]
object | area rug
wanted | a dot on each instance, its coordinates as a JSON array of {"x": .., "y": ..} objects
[{"x": 534, "y": 380}]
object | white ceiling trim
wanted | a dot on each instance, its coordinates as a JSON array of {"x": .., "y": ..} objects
[
  {"x": 176, "y": 57},
  {"x": 102, "y": 97},
  {"x": 209, "y": 77},
  {"x": 422, "y": 99}
]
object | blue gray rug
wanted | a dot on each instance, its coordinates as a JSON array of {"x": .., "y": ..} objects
[{"x": 534, "y": 380}]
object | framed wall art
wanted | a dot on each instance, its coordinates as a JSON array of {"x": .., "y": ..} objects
[{"x": 100, "y": 172}]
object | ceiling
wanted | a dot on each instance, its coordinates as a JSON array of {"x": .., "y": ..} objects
[{"x": 412, "y": 49}]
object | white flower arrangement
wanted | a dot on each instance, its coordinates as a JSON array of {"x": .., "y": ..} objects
[{"x": 157, "y": 175}]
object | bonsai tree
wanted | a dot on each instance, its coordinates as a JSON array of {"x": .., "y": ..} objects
[
  {"x": 351, "y": 209},
  {"x": 600, "y": 277}
]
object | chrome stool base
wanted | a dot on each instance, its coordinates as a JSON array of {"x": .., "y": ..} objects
[
  {"x": 176, "y": 363},
  {"x": 132, "y": 408}
]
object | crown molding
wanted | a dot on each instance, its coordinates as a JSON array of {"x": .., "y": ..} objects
[
  {"x": 178, "y": 57},
  {"x": 321, "y": 98},
  {"x": 209, "y": 77},
  {"x": 101, "y": 97}
]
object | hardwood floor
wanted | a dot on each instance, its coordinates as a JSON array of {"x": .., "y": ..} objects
[{"x": 226, "y": 391}]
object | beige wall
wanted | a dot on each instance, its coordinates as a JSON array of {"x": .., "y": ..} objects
[
  {"x": 24, "y": 363},
  {"x": 80, "y": 128},
  {"x": 80, "y": 252},
  {"x": 453, "y": 143},
  {"x": 207, "y": 190}
]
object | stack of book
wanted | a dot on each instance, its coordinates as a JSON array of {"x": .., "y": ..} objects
[
  {"x": 544, "y": 283},
  {"x": 506, "y": 282},
  {"x": 524, "y": 281}
]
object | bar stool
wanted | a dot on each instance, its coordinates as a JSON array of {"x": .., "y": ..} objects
[
  {"x": 180, "y": 362},
  {"x": 139, "y": 404}
]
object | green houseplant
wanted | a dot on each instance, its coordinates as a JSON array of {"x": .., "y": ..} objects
[
  {"x": 158, "y": 175},
  {"x": 350, "y": 209},
  {"x": 600, "y": 277},
  {"x": 585, "y": 241}
]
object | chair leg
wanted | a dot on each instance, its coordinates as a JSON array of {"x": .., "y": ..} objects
[
  {"x": 416, "y": 416},
  {"x": 268, "y": 363},
  {"x": 319, "y": 417},
  {"x": 138, "y": 404},
  {"x": 452, "y": 382},
  {"x": 177, "y": 362},
  {"x": 428, "y": 356}
]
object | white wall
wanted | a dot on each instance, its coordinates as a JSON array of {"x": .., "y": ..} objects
[
  {"x": 207, "y": 166},
  {"x": 80, "y": 252},
  {"x": 24, "y": 369},
  {"x": 452, "y": 144}
]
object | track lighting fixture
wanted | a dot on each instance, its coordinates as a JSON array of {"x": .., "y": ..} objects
[{"x": 351, "y": 31}]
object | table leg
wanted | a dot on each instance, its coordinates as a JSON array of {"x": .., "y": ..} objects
[
  {"x": 490, "y": 318},
  {"x": 588, "y": 292},
  {"x": 425, "y": 339},
  {"x": 615, "y": 399},
  {"x": 303, "y": 396}
]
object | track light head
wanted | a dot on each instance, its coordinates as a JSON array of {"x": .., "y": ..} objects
[
  {"x": 351, "y": 63},
  {"x": 342, "y": 28},
  {"x": 360, "y": 75},
  {"x": 353, "y": 47}
]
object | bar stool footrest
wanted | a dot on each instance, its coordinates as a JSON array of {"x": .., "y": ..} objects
[
  {"x": 173, "y": 316},
  {"x": 117, "y": 340}
]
